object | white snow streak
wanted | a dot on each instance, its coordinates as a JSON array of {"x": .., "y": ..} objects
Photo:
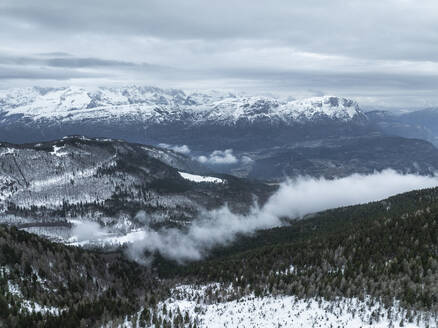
[{"x": 200, "y": 178}]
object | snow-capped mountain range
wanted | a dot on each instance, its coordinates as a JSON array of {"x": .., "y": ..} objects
[
  {"x": 265, "y": 137},
  {"x": 157, "y": 105}
]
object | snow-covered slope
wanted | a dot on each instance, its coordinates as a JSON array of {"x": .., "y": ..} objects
[
  {"x": 277, "y": 311},
  {"x": 47, "y": 187},
  {"x": 200, "y": 178},
  {"x": 166, "y": 105}
]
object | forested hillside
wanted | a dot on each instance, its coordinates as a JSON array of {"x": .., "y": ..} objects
[
  {"x": 387, "y": 250},
  {"x": 379, "y": 253},
  {"x": 43, "y": 284}
]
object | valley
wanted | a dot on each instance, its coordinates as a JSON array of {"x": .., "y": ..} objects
[
  {"x": 218, "y": 164},
  {"x": 165, "y": 228}
]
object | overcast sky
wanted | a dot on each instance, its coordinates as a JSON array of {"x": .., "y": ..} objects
[{"x": 383, "y": 53}]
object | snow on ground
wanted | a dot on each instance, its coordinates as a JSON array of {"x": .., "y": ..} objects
[
  {"x": 5, "y": 191},
  {"x": 200, "y": 178},
  {"x": 34, "y": 307},
  {"x": 61, "y": 179},
  {"x": 7, "y": 151},
  {"x": 158, "y": 105},
  {"x": 26, "y": 305},
  {"x": 14, "y": 289},
  {"x": 284, "y": 311},
  {"x": 57, "y": 151}
]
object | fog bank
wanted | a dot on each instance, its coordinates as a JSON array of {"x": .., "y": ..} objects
[{"x": 295, "y": 198}]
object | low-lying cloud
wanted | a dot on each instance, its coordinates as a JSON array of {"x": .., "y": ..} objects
[
  {"x": 183, "y": 149},
  {"x": 86, "y": 231},
  {"x": 294, "y": 199},
  {"x": 219, "y": 157}
]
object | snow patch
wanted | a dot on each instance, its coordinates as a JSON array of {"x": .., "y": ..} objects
[
  {"x": 200, "y": 178},
  {"x": 14, "y": 289},
  {"x": 34, "y": 307},
  {"x": 56, "y": 151},
  {"x": 7, "y": 151}
]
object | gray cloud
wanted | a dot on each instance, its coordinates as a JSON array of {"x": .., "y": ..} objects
[
  {"x": 344, "y": 80},
  {"x": 86, "y": 62},
  {"x": 54, "y": 54},
  {"x": 35, "y": 74},
  {"x": 68, "y": 61},
  {"x": 65, "y": 67},
  {"x": 219, "y": 157},
  {"x": 371, "y": 50},
  {"x": 336, "y": 27}
]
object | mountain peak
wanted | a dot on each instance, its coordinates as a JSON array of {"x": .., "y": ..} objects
[{"x": 331, "y": 106}]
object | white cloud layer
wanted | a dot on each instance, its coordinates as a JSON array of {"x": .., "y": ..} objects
[
  {"x": 219, "y": 157},
  {"x": 295, "y": 198},
  {"x": 183, "y": 149},
  {"x": 87, "y": 230}
]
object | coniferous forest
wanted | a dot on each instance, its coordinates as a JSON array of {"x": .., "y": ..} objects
[{"x": 384, "y": 252}]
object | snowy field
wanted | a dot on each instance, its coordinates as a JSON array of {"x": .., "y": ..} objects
[
  {"x": 283, "y": 311},
  {"x": 200, "y": 178}
]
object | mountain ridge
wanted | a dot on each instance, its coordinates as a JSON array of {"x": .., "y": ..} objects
[
  {"x": 113, "y": 183},
  {"x": 321, "y": 136},
  {"x": 421, "y": 123},
  {"x": 163, "y": 105}
]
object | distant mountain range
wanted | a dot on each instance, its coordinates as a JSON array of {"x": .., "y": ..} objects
[
  {"x": 421, "y": 124},
  {"x": 150, "y": 115},
  {"x": 155, "y": 105},
  {"x": 265, "y": 137}
]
